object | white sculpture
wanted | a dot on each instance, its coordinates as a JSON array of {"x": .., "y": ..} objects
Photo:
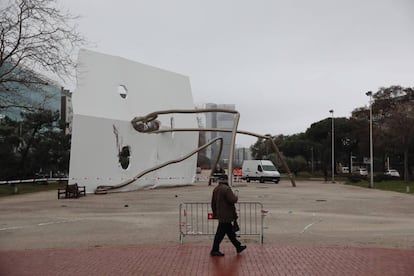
[{"x": 106, "y": 149}]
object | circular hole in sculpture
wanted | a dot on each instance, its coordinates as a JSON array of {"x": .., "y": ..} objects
[{"x": 122, "y": 91}]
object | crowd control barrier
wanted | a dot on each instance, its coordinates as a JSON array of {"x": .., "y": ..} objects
[{"x": 196, "y": 219}]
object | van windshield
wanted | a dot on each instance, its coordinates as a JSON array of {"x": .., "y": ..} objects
[{"x": 269, "y": 168}]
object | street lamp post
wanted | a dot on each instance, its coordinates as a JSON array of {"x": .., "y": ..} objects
[
  {"x": 333, "y": 147},
  {"x": 351, "y": 163},
  {"x": 371, "y": 148},
  {"x": 312, "y": 159}
]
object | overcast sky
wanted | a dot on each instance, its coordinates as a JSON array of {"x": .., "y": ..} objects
[{"x": 284, "y": 64}]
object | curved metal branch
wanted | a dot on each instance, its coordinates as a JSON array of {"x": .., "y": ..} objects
[
  {"x": 149, "y": 124},
  {"x": 138, "y": 123},
  {"x": 153, "y": 116},
  {"x": 103, "y": 189},
  {"x": 274, "y": 146}
]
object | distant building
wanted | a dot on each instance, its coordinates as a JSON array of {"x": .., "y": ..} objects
[
  {"x": 223, "y": 121},
  {"x": 214, "y": 120},
  {"x": 201, "y": 134},
  {"x": 45, "y": 96},
  {"x": 66, "y": 114},
  {"x": 241, "y": 154}
]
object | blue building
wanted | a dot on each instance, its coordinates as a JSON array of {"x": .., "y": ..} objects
[{"x": 18, "y": 97}]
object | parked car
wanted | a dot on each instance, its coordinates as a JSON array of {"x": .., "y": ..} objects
[
  {"x": 345, "y": 169},
  {"x": 392, "y": 172},
  {"x": 362, "y": 171}
]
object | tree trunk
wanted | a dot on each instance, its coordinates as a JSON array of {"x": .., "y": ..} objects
[
  {"x": 26, "y": 150},
  {"x": 406, "y": 165}
]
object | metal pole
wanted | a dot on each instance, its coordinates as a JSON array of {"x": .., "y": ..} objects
[
  {"x": 350, "y": 164},
  {"x": 388, "y": 163},
  {"x": 232, "y": 144},
  {"x": 312, "y": 158},
  {"x": 371, "y": 148},
  {"x": 333, "y": 147}
]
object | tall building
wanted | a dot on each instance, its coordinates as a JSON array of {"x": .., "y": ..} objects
[
  {"x": 219, "y": 120},
  {"x": 66, "y": 114},
  {"x": 46, "y": 95},
  {"x": 241, "y": 154}
]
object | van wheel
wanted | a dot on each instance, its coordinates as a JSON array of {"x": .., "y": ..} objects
[
  {"x": 247, "y": 179},
  {"x": 261, "y": 180},
  {"x": 277, "y": 181}
]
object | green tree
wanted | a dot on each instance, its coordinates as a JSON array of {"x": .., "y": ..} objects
[
  {"x": 319, "y": 133},
  {"x": 261, "y": 148},
  {"x": 298, "y": 146},
  {"x": 296, "y": 150},
  {"x": 9, "y": 143},
  {"x": 394, "y": 116},
  {"x": 319, "y": 136},
  {"x": 296, "y": 164},
  {"x": 52, "y": 151},
  {"x": 37, "y": 144},
  {"x": 35, "y": 125}
]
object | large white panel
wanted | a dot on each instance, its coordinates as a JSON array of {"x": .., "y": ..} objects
[{"x": 101, "y": 124}]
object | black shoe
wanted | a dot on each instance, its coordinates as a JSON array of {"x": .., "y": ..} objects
[
  {"x": 216, "y": 254},
  {"x": 241, "y": 248}
]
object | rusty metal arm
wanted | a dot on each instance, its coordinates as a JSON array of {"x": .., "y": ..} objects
[
  {"x": 103, "y": 189},
  {"x": 149, "y": 124},
  {"x": 274, "y": 147}
]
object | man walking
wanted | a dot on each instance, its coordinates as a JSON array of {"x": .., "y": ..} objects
[{"x": 222, "y": 205}]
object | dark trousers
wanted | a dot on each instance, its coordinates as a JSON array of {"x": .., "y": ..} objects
[{"x": 224, "y": 228}]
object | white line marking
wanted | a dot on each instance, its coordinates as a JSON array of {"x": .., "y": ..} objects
[
  {"x": 12, "y": 228},
  {"x": 309, "y": 225},
  {"x": 57, "y": 222},
  {"x": 39, "y": 224}
]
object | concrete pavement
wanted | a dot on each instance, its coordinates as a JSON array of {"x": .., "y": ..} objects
[{"x": 314, "y": 229}]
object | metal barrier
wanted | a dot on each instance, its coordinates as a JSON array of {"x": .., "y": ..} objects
[
  {"x": 33, "y": 180},
  {"x": 195, "y": 219}
]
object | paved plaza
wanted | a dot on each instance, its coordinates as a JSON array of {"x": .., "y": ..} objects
[
  {"x": 193, "y": 259},
  {"x": 316, "y": 228}
]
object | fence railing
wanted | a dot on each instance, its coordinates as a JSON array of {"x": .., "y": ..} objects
[
  {"x": 33, "y": 180},
  {"x": 195, "y": 219}
]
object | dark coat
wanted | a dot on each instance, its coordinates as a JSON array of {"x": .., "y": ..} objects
[{"x": 222, "y": 203}]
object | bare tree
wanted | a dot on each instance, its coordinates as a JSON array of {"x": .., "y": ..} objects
[{"x": 35, "y": 36}]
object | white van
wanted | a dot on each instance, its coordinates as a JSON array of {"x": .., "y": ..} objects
[{"x": 261, "y": 170}]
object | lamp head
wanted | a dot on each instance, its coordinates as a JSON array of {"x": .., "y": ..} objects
[{"x": 369, "y": 93}]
